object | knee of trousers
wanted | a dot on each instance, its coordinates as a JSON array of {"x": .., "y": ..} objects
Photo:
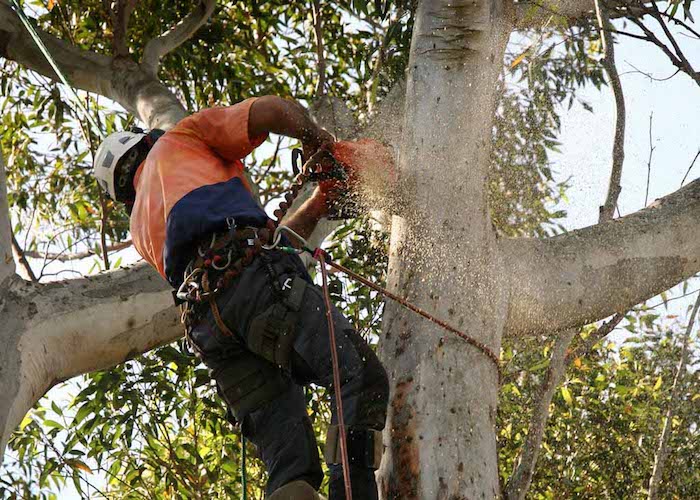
[
  {"x": 372, "y": 388},
  {"x": 376, "y": 381},
  {"x": 248, "y": 383}
]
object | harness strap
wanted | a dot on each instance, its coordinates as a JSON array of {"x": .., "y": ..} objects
[{"x": 214, "y": 307}]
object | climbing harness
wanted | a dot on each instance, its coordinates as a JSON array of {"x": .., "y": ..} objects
[{"x": 45, "y": 51}]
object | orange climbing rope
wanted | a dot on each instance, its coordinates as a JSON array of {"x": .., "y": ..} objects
[{"x": 336, "y": 381}]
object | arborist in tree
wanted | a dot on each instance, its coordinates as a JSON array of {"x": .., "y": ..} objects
[{"x": 252, "y": 315}]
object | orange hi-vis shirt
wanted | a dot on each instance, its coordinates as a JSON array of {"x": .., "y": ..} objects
[{"x": 191, "y": 182}]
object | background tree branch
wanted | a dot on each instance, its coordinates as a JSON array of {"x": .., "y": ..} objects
[
  {"x": 662, "y": 450},
  {"x": 589, "y": 274},
  {"x": 7, "y": 262},
  {"x": 607, "y": 211},
  {"x": 120, "y": 26},
  {"x": 21, "y": 257},
  {"x": 320, "y": 53},
  {"x": 158, "y": 47},
  {"x": 519, "y": 481}
]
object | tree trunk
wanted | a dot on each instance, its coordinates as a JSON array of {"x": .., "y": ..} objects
[{"x": 444, "y": 392}]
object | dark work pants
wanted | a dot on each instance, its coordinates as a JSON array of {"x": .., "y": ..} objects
[{"x": 281, "y": 428}]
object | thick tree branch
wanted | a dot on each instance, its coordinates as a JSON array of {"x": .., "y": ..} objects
[
  {"x": 533, "y": 13},
  {"x": 7, "y": 262},
  {"x": 55, "y": 331},
  {"x": 589, "y": 274},
  {"x": 100, "y": 321},
  {"x": 167, "y": 42},
  {"x": 662, "y": 450}
]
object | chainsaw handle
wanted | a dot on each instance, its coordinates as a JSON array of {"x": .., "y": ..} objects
[{"x": 297, "y": 154}]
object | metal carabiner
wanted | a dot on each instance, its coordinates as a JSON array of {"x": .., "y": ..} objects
[
  {"x": 228, "y": 262},
  {"x": 277, "y": 238},
  {"x": 187, "y": 283}
]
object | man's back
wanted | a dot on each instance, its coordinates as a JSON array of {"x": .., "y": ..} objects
[{"x": 190, "y": 183}]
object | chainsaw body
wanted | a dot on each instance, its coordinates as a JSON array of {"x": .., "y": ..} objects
[{"x": 324, "y": 169}]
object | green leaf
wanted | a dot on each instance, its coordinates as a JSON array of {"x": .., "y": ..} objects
[{"x": 567, "y": 395}]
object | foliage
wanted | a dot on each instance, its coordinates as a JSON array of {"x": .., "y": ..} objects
[
  {"x": 602, "y": 435},
  {"x": 154, "y": 426}
]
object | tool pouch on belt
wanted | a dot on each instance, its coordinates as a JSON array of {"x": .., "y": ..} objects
[
  {"x": 246, "y": 384},
  {"x": 365, "y": 447},
  {"x": 271, "y": 333}
]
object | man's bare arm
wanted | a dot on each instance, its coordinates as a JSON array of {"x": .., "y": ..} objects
[
  {"x": 281, "y": 116},
  {"x": 304, "y": 220}
]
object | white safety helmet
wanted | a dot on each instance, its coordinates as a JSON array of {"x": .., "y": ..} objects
[{"x": 111, "y": 152}]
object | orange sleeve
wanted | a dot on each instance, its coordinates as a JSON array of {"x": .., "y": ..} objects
[{"x": 225, "y": 130}]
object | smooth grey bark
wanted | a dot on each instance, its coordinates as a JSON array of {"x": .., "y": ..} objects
[
  {"x": 53, "y": 332},
  {"x": 589, "y": 274},
  {"x": 440, "y": 429}
]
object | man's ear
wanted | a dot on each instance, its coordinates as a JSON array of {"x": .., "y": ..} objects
[{"x": 153, "y": 136}]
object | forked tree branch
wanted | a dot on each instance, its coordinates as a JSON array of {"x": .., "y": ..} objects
[
  {"x": 677, "y": 57},
  {"x": 121, "y": 80},
  {"x": 662, "y": 450},
  {"x": 158, "y": 47},
  {"x": 85, "y": 70},
  {"x": 592, "y": 273}
]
